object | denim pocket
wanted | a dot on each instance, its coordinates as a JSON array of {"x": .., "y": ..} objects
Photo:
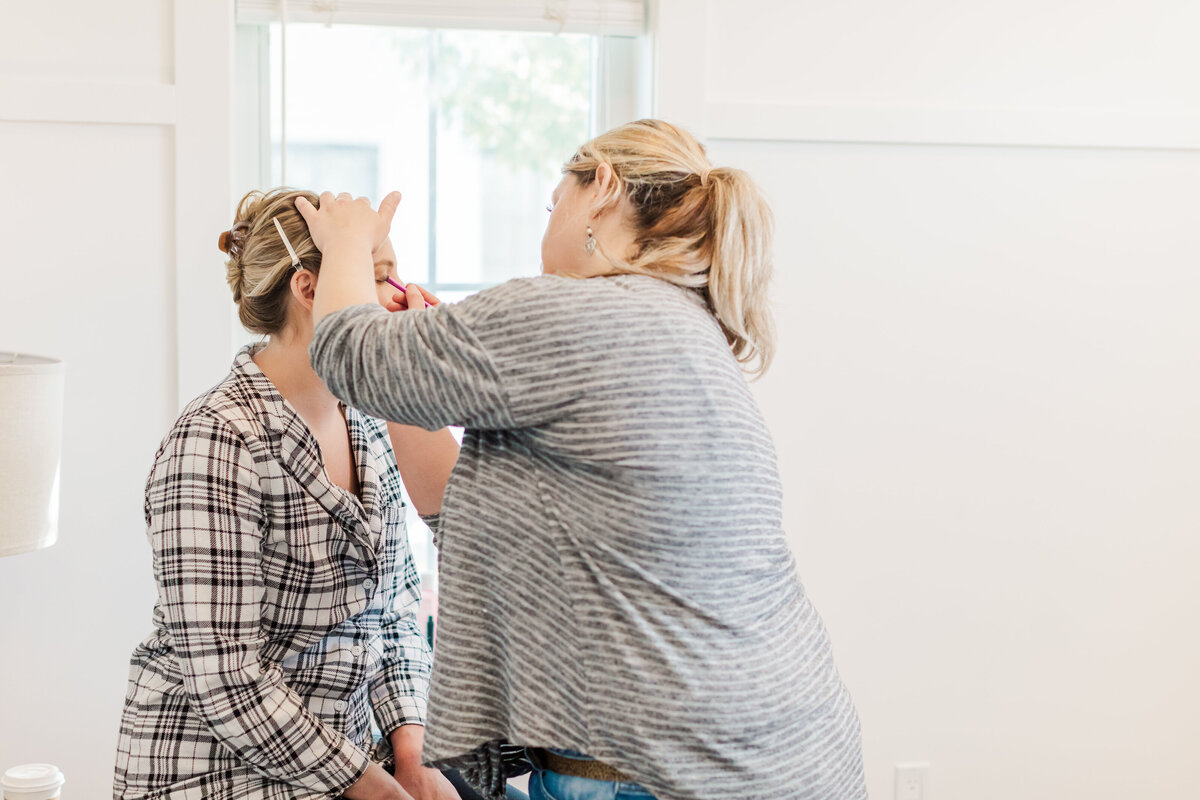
[
  {"x": 547, "y": 785},
  {"x": 537, "y": 786}
]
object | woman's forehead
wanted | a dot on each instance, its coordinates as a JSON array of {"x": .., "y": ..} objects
[
  {"x": 562, "y": 184},
  {"x": 385, "y": 252}
]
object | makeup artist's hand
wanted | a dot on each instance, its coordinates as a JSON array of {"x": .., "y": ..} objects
[
  {"x": 413, "y": 296},
  {"x": 345, "y": 220}
]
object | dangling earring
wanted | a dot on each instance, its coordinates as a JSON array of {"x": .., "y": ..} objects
[{"x": 589, "y": 246}]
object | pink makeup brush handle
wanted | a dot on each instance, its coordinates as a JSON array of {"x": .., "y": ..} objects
[{"x": 400, "y": 286}]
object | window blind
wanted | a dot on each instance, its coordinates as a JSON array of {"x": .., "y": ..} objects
[{"x": 612, "y": 17}]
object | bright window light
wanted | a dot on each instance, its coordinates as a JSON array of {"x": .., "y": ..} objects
[{"x": 471, "y": 126}]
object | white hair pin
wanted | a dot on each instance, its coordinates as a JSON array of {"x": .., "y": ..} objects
[{"x": 287, "y": 244}]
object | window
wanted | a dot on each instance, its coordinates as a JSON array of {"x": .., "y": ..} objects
[{"x": 471, "y": 125}]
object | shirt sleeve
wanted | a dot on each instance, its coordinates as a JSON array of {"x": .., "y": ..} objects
[
  {"x": 400, "y": 690},
  {"x": 434, "y": 523},
  {"x": 513, "y": 356},
  {"x": 205, "y": 517}
]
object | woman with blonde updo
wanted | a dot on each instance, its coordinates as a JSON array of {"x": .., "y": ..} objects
[
  {"x": 617, "y": 595},
  {"x": 287, "y": 596}
]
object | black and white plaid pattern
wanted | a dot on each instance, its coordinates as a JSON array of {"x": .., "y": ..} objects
[{"x": 286, "y": 607}]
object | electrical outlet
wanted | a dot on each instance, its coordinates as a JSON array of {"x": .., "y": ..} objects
[{"x": 912, "y": 780}]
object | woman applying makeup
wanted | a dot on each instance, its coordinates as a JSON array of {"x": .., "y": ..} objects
[
  {"x": 617, "y": 593},
  {"x": 287, "y": 596}
]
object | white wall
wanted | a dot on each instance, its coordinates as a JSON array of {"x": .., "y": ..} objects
[
  {"x": 110, "y": 205},
  {"x": 987, "y": 401}
]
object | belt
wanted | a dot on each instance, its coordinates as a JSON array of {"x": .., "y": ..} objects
[{"x": 579, "y": 767}]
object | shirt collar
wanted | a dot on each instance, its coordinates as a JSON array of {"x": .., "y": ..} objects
[{"x": 297, "y": 447}]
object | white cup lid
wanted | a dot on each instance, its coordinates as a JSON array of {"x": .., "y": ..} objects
[{"x": 32, "y": 777}]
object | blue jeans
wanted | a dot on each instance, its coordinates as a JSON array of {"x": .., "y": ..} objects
[{"x": 547, "y": 785}]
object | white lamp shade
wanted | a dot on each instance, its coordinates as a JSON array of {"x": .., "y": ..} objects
[{"x": 31, "y": 411}]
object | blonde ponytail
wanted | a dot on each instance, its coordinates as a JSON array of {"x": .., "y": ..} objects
[
  {"x": 700, "y": 227},
  {"x": 741, "y": 266}
]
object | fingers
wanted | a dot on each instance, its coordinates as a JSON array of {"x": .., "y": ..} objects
[
  {"x": 306, "y": 209},
  {"x": 429, "y": 297},
  {"x": 413, "y": 296},
  {"x": 343, "y": 215},
  {"x": 387, "y": 208},
  {"x": 412, "y": 293}
]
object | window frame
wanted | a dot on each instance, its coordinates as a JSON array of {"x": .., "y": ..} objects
[
  {"x": 621, "y": 70},
  {"x": 621, "y": 92}
]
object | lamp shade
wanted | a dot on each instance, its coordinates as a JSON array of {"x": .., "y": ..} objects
[{"x": 31, "y": 411}]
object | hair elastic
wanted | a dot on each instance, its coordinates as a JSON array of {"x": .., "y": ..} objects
[{"x": 295, "y": 258}]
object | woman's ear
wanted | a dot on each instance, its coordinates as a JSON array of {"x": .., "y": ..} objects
[
  {"x": 607, "y": 191},
  {"x": 604, "y": 176},
  {"x": 304, "y": 287}
]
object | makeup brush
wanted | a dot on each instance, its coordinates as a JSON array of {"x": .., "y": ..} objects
[{"x": 400, "y": 286}]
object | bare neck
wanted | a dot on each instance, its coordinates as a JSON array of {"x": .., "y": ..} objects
[{"x": 286, "y": 364}]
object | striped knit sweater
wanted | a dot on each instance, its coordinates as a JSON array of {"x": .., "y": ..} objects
[{"x": 614, "y": 576}]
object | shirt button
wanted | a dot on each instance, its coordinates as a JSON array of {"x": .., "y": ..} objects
[
  {"x": 340, "y": 705},
  {"x": 369, "y": 584},
  {"x": 356, "y": 650}
]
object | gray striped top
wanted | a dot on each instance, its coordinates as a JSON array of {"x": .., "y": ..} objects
[{"x": 614, "y": 576}]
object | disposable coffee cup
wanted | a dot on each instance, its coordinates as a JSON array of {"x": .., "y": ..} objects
[{"x": 33, "y": 782}]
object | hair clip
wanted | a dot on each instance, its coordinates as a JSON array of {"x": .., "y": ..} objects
[{"x": 295, "y": 258}]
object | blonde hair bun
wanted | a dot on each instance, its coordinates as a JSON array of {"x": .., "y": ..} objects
[{"x": 259, "y": 267}]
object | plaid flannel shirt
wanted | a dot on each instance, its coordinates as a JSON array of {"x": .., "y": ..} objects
[{"x": 286, "y": 607}]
